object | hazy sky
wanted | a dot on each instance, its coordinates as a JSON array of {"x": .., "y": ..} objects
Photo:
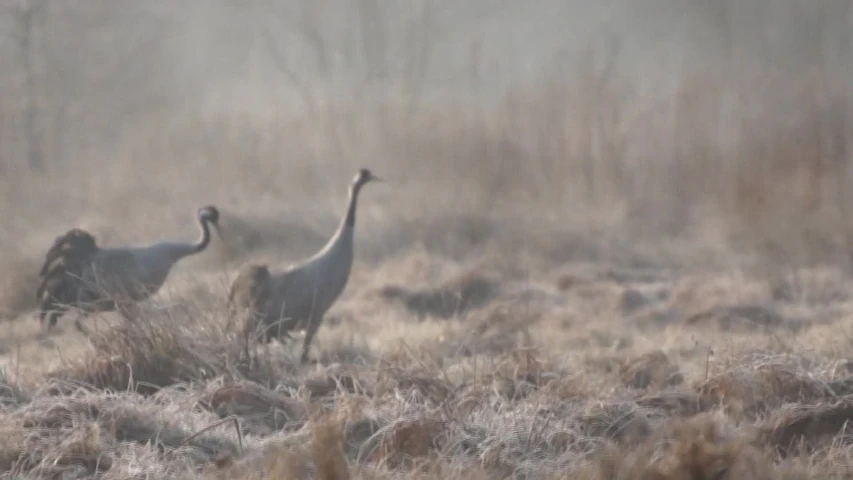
[{"x": 124, "y": 56}]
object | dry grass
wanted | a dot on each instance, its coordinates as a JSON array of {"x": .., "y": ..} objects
[
  {"x": 140, "y": 399},
  {"x": 576, "y": 282}
]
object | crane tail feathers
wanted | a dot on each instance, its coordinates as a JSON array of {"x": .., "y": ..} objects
[
  {"x": 64, "y": 263},
  {"x": 249, "y": 294}
]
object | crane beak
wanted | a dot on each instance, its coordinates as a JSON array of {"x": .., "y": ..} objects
[
  {"x": 218, "y": 230},
  {"x": 374, "y": 178}
]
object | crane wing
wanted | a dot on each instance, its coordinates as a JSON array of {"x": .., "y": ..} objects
[
  {"x": 116, "y": 273},
  {"x": 294, "y": 296}
]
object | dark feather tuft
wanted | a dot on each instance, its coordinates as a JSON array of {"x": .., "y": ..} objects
[{"x": 64, "y": 263}]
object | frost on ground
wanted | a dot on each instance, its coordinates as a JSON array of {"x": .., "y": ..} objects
[{"x": 615, "y": 374}]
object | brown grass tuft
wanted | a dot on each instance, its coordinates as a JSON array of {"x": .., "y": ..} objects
[
  {"x": 454, "y": 297},
  {"x": 406, "y": 442},
  {"x": 698, "y": 448},
  {"x": 742, "y": 318},
  {"x": 81, "y": 432},
  {"x": 805, "y": 429},
  {"x": 650, "y": 369},
  {"x": 145, "y": 356},
  {"x": 258, "y": 404},
  {"x": 327, "y": 450},
  {"x": 702, "y": 449},
  {"x": 754, "y": 390}
]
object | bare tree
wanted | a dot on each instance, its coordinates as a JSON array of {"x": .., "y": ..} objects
[{"x": 27, "y": 18}]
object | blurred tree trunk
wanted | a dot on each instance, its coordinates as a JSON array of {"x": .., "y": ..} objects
[{"x": 26, "y": 14}]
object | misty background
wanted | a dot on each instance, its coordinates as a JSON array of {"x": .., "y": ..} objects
[
  {"x": 99, "y": 65},
  {"x": 660, "y": 119}
]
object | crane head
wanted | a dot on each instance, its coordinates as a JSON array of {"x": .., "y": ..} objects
[
  {"x": 210, "y": 214},
  {"x": 364, "y": 176}
]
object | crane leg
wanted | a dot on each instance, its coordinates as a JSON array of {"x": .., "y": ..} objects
[
  {"x": 50, "y": 317},
  {"x": 279, "y": 331},
  {"x": 310, "y": 331},
  {"x": 78, "y": 323},
  {"x": 127, "y": 310},
  {"x": 248, "y": 334},
  {"x": 42, "y": 314}
]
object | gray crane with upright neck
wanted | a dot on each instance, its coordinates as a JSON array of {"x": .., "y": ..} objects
[
  {"x": 78, "y": 273},
  {"x": 299, "y": 297}
]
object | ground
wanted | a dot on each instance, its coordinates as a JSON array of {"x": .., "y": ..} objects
[{"x": 437, "y": 368}]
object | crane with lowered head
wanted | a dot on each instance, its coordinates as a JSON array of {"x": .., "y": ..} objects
[{"x": 78, "y": 273}]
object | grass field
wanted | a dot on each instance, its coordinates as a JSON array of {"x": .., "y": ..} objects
[{"x": 578, "y": 280}]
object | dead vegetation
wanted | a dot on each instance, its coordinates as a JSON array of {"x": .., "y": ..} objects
[
  {"x": 455, "y": 297},
  {"x": 161, "y": 398},
  {"x": 145, "y": 356}
]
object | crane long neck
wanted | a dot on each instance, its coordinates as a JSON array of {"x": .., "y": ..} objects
[
  {"x": 345, "y": 229},
  {"x": 204, "y": 240},
  {"x": 349, "y": 219},
  {"x": 171, "y": 252}
]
